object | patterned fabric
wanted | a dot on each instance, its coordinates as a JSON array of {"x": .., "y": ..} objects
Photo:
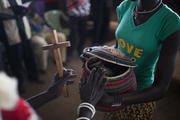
[
  {"x": 133, "y": 112},
  {"x": 111, "y": 55},
  {"x": 78, "y": 7},
  {"x": 119, "y": 71}
]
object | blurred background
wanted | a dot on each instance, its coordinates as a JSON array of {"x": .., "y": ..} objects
[{"x": 96, "y": 27}]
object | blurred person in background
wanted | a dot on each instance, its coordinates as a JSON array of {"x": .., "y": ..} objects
[
  {"x": 78, "y": 12},
  {"x": 100, "y": 15},
  {"x": 15, "y": 35}
]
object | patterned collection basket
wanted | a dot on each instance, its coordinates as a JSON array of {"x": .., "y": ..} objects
[{"x": 121, "y": 79}]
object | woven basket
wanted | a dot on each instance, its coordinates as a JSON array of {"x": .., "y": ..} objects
[{"x": 121, "y": 81}]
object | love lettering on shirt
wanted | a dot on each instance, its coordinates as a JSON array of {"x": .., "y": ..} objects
[{"x": 130, "y": 49}]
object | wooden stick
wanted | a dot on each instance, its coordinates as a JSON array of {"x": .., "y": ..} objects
[
  {"x": 58, "y": 59},
  {"x": 57, "y": 45}
]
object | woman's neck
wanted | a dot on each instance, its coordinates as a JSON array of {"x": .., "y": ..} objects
[{"x": 146, "y": 5}]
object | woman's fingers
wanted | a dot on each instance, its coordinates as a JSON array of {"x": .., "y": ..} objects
[
  {"x": 82, "y": 81},
  {"x": 104, "y": 83},
  {"x": 91, "y": 77},
  {"x": 101, "y": 78}
]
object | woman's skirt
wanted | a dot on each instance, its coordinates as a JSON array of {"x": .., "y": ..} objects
[{"x": 133, "y": 112}]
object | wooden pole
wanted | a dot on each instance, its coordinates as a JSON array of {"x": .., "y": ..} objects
[{"x": 57, "y": 55}]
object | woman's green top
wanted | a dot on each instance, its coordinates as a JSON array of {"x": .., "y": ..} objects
[{"x": 143, "y": 43}]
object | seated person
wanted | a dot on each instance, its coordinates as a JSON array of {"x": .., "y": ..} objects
[{"x": 41, "y": 36}]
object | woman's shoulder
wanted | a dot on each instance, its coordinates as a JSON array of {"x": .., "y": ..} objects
[
  {"x": 169, "y": 13},
  {"x": 125, "y": 4},
  {"x": 170, "y": 22}
]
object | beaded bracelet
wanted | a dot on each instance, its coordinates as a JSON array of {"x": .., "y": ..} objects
[
  {"x": 87, "y": 105},
  {"x": 82, "y": 118}
]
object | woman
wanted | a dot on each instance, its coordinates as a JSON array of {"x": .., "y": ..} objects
[{"x": 148, "y": 33}]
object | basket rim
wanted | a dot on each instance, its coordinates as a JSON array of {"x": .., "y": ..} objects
[{"x": 114, "y": 77}]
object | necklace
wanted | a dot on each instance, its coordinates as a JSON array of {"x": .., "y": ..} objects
[{"x": 136, "y": 12}]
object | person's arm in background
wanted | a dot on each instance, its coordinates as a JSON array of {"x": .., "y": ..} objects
[
  {"x": 6, "y": 13},
  {"x": 12, "y": 12},
  {"x": 53, "y": 91},
  {"x": 163, "y": 76},
  {"x": 4, "y": 16}
]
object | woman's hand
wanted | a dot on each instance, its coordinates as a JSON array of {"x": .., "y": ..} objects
[
  {"x": 92, "y": 88},
  {"x": 57, "y": 83}
]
